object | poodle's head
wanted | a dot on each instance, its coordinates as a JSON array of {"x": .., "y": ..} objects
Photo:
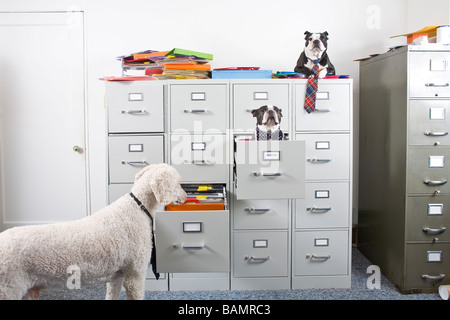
[{"x": 163, "y": 181}]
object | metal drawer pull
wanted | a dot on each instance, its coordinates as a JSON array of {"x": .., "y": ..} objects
[
  {"x": 257, "y": 210},
  {"x": 314, "y": 209},
  {"x": 256, "y": 259},
  {"x": 200, "y": 247},
  {"x": 436, "y": 85},
  {"x": 195, "y": 110},
  {"x": 439, "y": 277},
  {"x": 435, "y": 134},
  {"x": 199, "y": 162},
  {"x": 322, "y": 110},
  {"x": 260, "y": 174},
  {"x": 319, "y": 258},
  {"x": 314, "y": 160},
  {"x": 434, "y": 231},
  {"x": 142, "y": 111},
  {"x": 136, "y": 163},
  {"x": 435, "y": 182}
]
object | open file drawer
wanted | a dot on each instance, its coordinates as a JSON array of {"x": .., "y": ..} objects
[{"x": 270, "y": 169}]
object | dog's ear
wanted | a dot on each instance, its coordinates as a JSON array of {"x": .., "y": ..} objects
[
  {"x": 307, "y": 35},
  {"x": 326, "y": 35},
  {"x": 255, "y": 112},
  {"x": 162, "y": 185}
]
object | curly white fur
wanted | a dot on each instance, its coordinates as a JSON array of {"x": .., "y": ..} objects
[{"x": 112, "y": 245}]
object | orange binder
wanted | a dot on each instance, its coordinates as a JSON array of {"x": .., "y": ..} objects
[
  {"x": 195, "y": 207},
  {"x": 206, "y": 67},
  {"x": 151, "y": 54}
]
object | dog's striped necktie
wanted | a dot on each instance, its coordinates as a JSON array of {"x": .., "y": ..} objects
[{"x": 311, "y": 88}]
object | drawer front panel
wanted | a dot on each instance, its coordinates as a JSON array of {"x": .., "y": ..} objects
[
  {"x": 327, "y": 156},
  {"x": 247, "y": 97},
  {"x": 326, "y": 205},
  {"x": 321, "y": 253},
  {"x": 192, "y": 241},
  {"x": 429, "y": 122},
  {"x": 135, "y": 107},
  {"x": 130, "y": 154},
  {"x": 429, "y": 74},
  {"x": 427, "y": 265},
  {"x": 200, "y": 155},
  {"x": 115, "y": 191},
  {"x": 261, "y": 214},
  {"x": 270, "y": 169},
  {"x": 198, "y": 107},
  {"x": 428, "y": 218},
  {"x": 260, "y": 254},
  {"x": 428, "y": 170},
  {"x": 332, "y": 108}
]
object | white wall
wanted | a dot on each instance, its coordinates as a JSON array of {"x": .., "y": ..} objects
[{"x": 263, "y": 33}]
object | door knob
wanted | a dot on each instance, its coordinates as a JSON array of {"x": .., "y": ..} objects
[{"x": 77, "y": 149}]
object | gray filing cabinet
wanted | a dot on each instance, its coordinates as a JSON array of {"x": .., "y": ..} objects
[
  {"x": 273, "y": 220},
  {"x": 404, "y": 151}
]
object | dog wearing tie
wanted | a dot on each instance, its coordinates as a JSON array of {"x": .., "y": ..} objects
[
  {"x": 315, "y": 52},
  {"x": 268, "y": 120}
]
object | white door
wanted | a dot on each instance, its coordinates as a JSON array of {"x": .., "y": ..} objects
[{"x": 42, "y": 124}]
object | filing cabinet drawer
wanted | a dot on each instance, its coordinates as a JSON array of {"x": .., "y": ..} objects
[
  {"x": 270, "y": 169},
  {"x": 260, "y": 254},
  {"x": 326, "y": 205},
  {"x": 192, "y": 241},
  {"x": 428, "y": 218},
  {"x": 135, "y": 107},
  {"x": 427, "y": 265},
  {"x": 332, "y": 112},
  {"x": 115, "y": 191},
  {"x": 428, "y": 170},
  {"x": 198, "y": 107},
  {"x": 327, "y": 156},
  {"x": 200, "y": 155},
  {"x": 321, "y": 253},
  {"x": 429, "y": 122},
  {"x": 247, "y": 97},
  {"x": 261, "y": 214},
  {"x": 429, "y": 74},
  {"x": 129, "y": 154}
]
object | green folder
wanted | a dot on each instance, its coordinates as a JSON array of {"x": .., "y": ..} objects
[{"x": 184, "y": 52}]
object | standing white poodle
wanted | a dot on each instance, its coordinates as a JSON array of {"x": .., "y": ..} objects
[{"x": 112, "y": 245}]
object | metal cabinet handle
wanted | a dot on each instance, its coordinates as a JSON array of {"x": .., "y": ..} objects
[
  {"x": 439, "y": 277},
  {"x": 314, "y": 160},
  {"x": 260, "y": 174},
  {"x": 322, "y": 110},
  {"x": 257, "y": 210},
  {"x": 136, "y": 163},
  {"x": 436, "y": 85},
  {"x": 195, "y": 110},
  {"x": 435, "y": 182},
  {"x": 142, "y": 111},
  {"x": 256, "y": 259},
  {"x": 199, "y": 162},
  {"x": 434, "y": 231},
  {"x": 315, "y": 209},
  {"x": 318, "y": 258},
  {"x": 200, "y": 247},
  {"x": 435, "y": 134}
]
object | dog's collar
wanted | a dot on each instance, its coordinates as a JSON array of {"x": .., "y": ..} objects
[{"x": 153, "y": 255}]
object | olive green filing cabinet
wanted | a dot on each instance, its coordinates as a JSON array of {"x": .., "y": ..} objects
[
  {"x": 286, "y": 222},
  {"x": 404, "y": 152}
]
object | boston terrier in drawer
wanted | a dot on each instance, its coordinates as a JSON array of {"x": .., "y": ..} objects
[
  {"x": 315, "y": 51},
  {"x": 268, "y": 120}
]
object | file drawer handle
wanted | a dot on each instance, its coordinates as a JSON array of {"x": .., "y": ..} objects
[
  {"x": 142, "y": 111},
  {"x": 322, "y": 110},
  {"x": 435, "y": 182},
  {"x": 195, "y": 110},
  {"x": 136, "y": 163},
  {"x": 313, "y": 257},
  {"x": 314, "y": 209},
  {"x": 436, "y": 85},
  {"x": 256, "y": 259},
  {"x": 260, "y": 174},
  {"x": 314, "y": 160},
  {"x": 439, "y": 277},
  {"x": 200, "y": 247},
  {"x": 199, "y": 162},
  {"x": 435, "y": 134},
  {"x": 434, "y": 231},
  {"x": 257, "y": 210}
]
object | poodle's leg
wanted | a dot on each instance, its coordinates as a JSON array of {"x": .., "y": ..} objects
[
  {"x": 113, "y": 287},
  {"x": 135, "y": 286}
]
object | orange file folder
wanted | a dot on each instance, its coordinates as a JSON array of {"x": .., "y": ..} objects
[{"x": 188, "y": 66}]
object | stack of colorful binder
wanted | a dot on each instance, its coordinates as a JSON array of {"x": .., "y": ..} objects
[{"x": 201, "y": 197}]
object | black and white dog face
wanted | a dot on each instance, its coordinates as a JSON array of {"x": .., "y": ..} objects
[
  {"x": 316, "y": 44},
  {"x": 268, "y": 118}
]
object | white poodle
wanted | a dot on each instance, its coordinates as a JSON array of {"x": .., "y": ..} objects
[{"x": 112, "y": 245}]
